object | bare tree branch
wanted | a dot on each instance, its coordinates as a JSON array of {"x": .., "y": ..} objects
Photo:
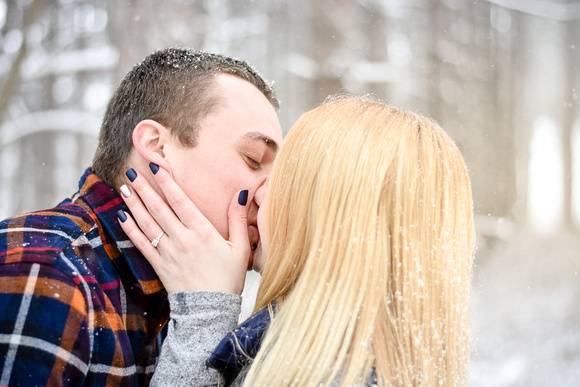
[{"x": 543, "y": 8}]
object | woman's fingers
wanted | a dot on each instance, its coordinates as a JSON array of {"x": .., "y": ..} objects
[
  {"x": 140, "y": 240},
  {"x": 146, "y": 222},
  {"x": 180, "y": 203},
  {"x": 155, "y": 208},
  {"x": 238, "y": 225},
  {"x": 161, "y": 265},
  {"x": 236, "y": 265},
  {"x": 192, "y": 255}
]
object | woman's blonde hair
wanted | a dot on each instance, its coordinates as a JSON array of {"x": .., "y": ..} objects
[{"x": 370, "y": 230}]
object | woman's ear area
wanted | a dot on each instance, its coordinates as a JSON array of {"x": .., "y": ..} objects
[{"x": 150, "y": 140}]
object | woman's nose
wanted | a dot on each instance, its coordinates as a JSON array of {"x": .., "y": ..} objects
[{"x": 261, "y": 194}]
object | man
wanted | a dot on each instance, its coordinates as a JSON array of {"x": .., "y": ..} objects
[{"x": 79, "y": 305}]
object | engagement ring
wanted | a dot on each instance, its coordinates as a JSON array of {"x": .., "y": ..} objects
[{"x": 155, "y": 241}]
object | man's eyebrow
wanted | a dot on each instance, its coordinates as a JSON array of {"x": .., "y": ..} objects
[{"x": 258, "y": 136}]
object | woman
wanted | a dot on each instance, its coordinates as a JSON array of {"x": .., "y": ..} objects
[{"x": 368, "y": 230}]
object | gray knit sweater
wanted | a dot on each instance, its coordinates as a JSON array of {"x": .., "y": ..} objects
[{"x": 198, "y": 321}]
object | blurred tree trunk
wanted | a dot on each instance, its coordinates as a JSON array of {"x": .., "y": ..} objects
[
  {"x": 327, "y": 38},
  {"x": 569, "y": 117},
  {"x": 500, "y": 116},
  {"x": 30, "y": 16},
  {"x": 37, "y": 183},
  {"x": 434, "y": 37}
]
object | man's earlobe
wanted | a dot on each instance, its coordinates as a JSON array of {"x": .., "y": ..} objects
[{"x": 150, "y": 140}]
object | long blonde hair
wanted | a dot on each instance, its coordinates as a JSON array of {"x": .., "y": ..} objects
[{"x": 370, "y": 229}]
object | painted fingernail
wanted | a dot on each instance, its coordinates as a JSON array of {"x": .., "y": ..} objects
[
  {"x": 121, "y": 215},
  {"x": 154, "y": 168},
  {"x": 131, "y": 174},
  {"x": 243, "y": 198},
  {"x": 125, "y": 191}
]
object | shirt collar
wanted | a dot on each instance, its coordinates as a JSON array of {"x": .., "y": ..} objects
[{"x": 105, "y": 202}]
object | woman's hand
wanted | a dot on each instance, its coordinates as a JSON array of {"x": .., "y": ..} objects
[{"x": 191, "y": 254}]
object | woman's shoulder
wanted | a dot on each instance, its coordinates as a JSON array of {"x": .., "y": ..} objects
[{"x": 240, "y": 346}]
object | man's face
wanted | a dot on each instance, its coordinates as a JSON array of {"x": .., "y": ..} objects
[{"x": 237, "y": 144}]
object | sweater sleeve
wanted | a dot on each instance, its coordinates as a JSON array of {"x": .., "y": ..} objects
[{"x": 198, "y": 321}]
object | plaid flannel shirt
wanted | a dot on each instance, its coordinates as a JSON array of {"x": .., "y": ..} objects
[{"x": 79, "y": 304}]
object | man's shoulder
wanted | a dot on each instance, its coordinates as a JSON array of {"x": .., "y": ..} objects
[
  {"x": 67, "y": 218},
  {"x": 45, "y": 233}
]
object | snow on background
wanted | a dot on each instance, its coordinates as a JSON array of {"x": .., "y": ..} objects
[{"x": 525, "y": 314}]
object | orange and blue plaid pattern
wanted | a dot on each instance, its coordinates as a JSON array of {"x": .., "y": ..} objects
[{"x": 79, "y": 305}]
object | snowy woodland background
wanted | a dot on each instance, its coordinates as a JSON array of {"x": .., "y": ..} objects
[{"x": 501, "y": 76}]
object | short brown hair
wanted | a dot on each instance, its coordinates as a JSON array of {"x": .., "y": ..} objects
[{"x": 174, "y": 87}]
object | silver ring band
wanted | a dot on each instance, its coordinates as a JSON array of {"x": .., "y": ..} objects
[{"x": 155, "y": 241}]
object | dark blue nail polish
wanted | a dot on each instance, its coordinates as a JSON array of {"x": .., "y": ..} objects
[
  {"x": 131, "y": 174},
  {"x": 243, "y": 198},
  {"x": 121, "y": 215},
  {"x": 154, "y": 168}
]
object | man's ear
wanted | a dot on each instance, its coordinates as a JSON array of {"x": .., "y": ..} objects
[{"x": 150, "y": 139}]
